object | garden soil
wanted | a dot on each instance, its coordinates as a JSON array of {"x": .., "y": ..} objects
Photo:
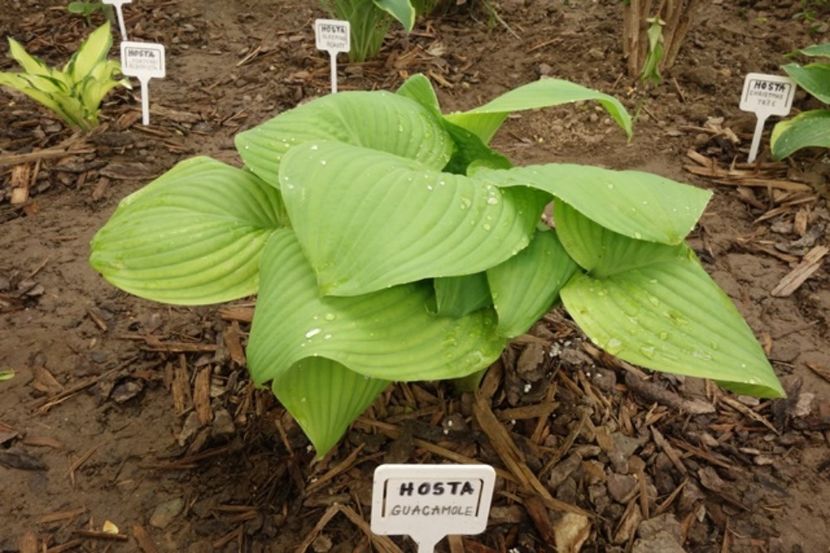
[{"x": 132, "y": 426}]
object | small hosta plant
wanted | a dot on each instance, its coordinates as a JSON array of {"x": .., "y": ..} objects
[
  {"x": 75, "y": 92},
  {"x": 388, "y": 242},
  {"x": 809, "y": 128},
  {"x": 370, "y": 21}
]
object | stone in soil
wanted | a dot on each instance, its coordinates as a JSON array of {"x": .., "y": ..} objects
[{"x": 165, "y": 512}]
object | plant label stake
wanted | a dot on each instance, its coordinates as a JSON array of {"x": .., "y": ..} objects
[
  {"x": 332, "y": 36},
  {"x": 428, "y": 502},
  {"x": 120, "y": 14},
  {"x": 145, "y": 61},
  {"x": 765, "y": 95}
]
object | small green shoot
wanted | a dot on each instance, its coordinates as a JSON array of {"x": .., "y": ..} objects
[{"x": 656, "y": 51}]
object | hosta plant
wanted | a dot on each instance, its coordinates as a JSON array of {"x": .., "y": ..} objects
[
  {"x": 370, "y": 21},
  {"x": 387, "y": 242},
  {"x": 75, "y": 92},
  {"x": 809, "y": 128}
]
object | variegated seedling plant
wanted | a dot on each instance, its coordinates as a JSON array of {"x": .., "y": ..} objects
[
  {"x": 387, "y": 242},
  {"x": 76, "y": 91}
]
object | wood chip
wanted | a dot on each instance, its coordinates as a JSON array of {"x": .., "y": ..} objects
[
  {"x": 20, "y": 182},
  {"x": 232, "y": 338},
  {"x": 143, "y": 539},
  {"x": 182, "y": 399},
  {"x": 201, "y": 395},
  {"x": 28, "y": 543},
  {"x": 794, "y": 279},
  {"x": 651, "y": 392}
]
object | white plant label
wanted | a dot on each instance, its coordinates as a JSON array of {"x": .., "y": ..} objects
[
  {"x": 145, "y": 61},
  {"x": 120, "y": 13},
  {"x": 428, "y": 502},
  {"x": 765, "y": 95},
  {"x": 333, "y": 36}
]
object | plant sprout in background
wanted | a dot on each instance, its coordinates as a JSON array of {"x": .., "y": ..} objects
[
  {"x": 387, "y": 242},
  {"x": 75, "y": 92},
  {"x": 370, "y": 21},
  {"x": 810, "y": 128},
  {"x": 652, "y": 39},
  {"x": 651, "y": 65},
  {"x": 90, "y": 8}
]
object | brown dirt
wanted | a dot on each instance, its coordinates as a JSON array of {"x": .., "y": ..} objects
[{"x": 91, "y": 401}]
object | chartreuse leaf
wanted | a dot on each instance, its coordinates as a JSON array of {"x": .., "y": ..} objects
[
  {"x": 374, "y": 120},
  {"x": 805, "y": 130},
  {"x": 484, "y": 121},
  {"x": 34, "y": 66},
  {"x": 92, "y": 51},
  {"x": 814, "y": 78},
  {"x": 461, "y": 295},
  {"x": 192, "y": 236},
  {"x": 419, "y": 89},
  {"x": 468, "y": 147},
  {"x": 817, "y": 50},
  {"x": 671, "y": 316},
  {"x": 636, "y": 204},
  {"x": 402, "y": 10},
  {"x": 325, "y": 398},
  {"x": 602, "y": 252},
  {"x": 389, "y": 335},
  {"x": 525, "y": 286},
  {"x": 22, "y": 83},
  {"x": 397, "y": 220}
]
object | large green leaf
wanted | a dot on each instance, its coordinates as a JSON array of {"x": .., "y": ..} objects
[
  {"x": 468, "y": 147},
  {"x": 192, "y": 236},
  {"x": 670, "y": 316},
  {"x": 814, "y": 78},
  {"x": 603, "y": 252},
  {"x": 375, "y": 120},
  {"x": 817, "y": 50},
  {"x": 525, "y": 286},
  {"x": 419, "y": 89},
  {"x": 325, "y": 397},
  {"x": 808, "y": 129},
  {"x": 90, "y": 53},
  {"x": 402, "y": 10},
  {"x": 484, "y": 121},
  {"x": 390, "y": 334},
  {"x": 396, "y": 220},
  {"x": 636, "y": 204},
  {"x": 459, "y": 296}
]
